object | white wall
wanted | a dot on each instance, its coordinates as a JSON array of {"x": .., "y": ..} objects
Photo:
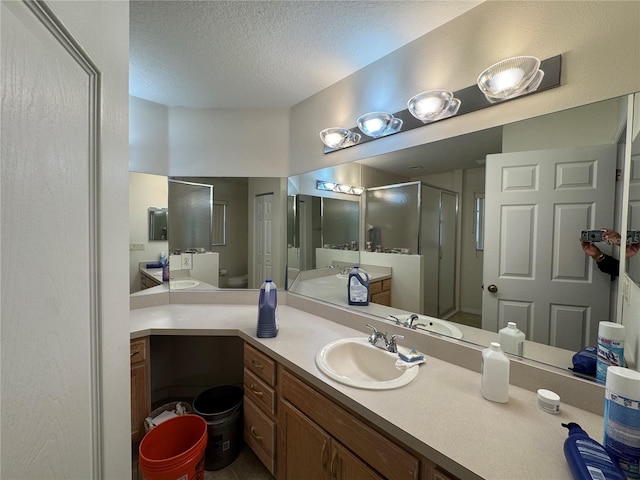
[
  {"x": 470, "y": 258},
  {"x": 145, "y": 191},
  {"x": 584, "y": 33},
  {"x": 148, "y": 137},
  {"x": 228, "y": 143}
]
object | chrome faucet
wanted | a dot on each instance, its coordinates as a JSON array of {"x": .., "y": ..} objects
[
  {"x": 376, "y": 336},
  {"x": 391, "y": 345},
  {"x": 388, "y": 345},
  {"x": 410, "y": 321}
]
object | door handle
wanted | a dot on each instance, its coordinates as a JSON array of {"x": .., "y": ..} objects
[{"x": 492, "y": 288}]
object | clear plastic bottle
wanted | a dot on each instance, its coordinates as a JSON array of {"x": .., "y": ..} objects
[
  {"x": 495, "y": 374},
  {"x": 268, "y": 310},
  {"x": 511, "y": 339}
]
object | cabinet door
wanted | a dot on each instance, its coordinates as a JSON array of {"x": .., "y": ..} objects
[
  {"x": 139, "y": 400},
  {"x": 346, "y": 466},
  {"x": 307, "y": 446}
]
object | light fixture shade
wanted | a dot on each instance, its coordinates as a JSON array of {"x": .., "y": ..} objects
[
  {"x": 510, "y": 78},
  {"x": 336, "y": 137},
  {"x": 378, "y": 124},
  {"x": 433, "y": 105},
  {"x": 338, "y": 187}
]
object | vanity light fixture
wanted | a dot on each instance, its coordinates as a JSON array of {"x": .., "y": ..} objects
[
  {"x": 336, "y": 137},
  {"x": 503, "y": 81},
  {"x": 510, "y": 78},
  {"x": 433, "y": 105},
  {"x": 378, "y": 124},
  {"x": 338, "y": 187}
]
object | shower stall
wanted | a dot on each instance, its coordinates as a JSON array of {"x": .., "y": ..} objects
[{"x": 418, "y": 219}]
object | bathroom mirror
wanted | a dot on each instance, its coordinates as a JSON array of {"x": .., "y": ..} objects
[
  {"x": 158, "y": 223},
  {"x": 633, "y": 216},
  {"x": 460, "y": 164},
  {"x": 234, "y": 200}
]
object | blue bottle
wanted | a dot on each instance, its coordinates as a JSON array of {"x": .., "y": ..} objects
[
  {"x": 358, "y": 287},
  {"x": 588, "y": 459},
  {"x": 268, "y": 310}
]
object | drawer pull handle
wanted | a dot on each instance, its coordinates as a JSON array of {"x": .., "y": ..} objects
[
  {"x": 334, "y": 471},
  {"x": 324, "y": 455},
  {"x": 255, "y": 392},
  {"x": 135, "y": 353},
  {"x": 256, "y": 364},
  {"x": 255, "y": 434}
]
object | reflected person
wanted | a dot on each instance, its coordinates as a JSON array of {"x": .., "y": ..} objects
[{"x": 606, "y": 263}]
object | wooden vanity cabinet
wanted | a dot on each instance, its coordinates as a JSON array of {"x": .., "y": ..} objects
[
  {"x": 147, "y": 282},
  {"x": 312, "y": 454},
  {"x": 260, "y": 405},
  {"x": 380, "y": 292},
  {"x": 140, "y": 386},
  {"x": 321, "y": 440}
]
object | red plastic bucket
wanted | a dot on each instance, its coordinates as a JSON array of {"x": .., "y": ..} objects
[{"x": 174, "y": 449}]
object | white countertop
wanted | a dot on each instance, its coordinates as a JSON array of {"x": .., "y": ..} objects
[{"x": 442, "y": 414}]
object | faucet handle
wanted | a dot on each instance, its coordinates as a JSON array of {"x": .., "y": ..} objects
[
  {"x": 372, "y": 328},
  {"x": 393, "y": 346}
]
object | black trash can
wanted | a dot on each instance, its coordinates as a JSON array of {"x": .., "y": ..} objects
[{"x": 221, "y": 407}]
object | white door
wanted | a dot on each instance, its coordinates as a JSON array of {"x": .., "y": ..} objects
[
  {"x": 50, "y": 326},
  {"x": 264, "y": 246},
  {"x": 537, "y": 203}
]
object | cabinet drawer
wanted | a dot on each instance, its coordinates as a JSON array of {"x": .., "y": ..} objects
[
  {"x": 386, "y": 285},
  {"x": 260, "y": 364},
  {"x": 138, "y": 350},
  {"x": 259, "y": 392},
  {"x": 379, "y": 452},
  {"x": 382, "y": 298},
  {"x": 375, "y": 287},
  {"x": 260, "y": 434}
]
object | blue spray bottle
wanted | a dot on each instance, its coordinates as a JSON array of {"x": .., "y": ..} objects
[
  {"x": 588, "y": 459},
  {"x": 268, "y": 310}
]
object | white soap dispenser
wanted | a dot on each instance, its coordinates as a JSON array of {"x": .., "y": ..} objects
[{"x": 495, "y": 374}]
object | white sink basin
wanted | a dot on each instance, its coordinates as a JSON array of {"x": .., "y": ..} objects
[
  {"x": 432, "y": 324},
  {"x": 355, "y": 362},
  {"x": 182, "y": 284}
]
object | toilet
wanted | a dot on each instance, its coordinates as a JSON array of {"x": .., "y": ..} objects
[{"x": 241, "y": 281}]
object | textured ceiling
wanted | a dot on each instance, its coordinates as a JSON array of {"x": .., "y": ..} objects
[{"x": 266, "y": 54}]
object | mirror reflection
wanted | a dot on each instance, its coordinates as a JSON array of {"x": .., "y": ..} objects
[
  {"x": 541, "y": 182},
  {"x": 158, "y": 223},
  {"x": 203, "y": 211}
]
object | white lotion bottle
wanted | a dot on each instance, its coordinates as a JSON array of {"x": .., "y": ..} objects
[
  {"x": 512, "y": 339},
  {"x": 495, "y": 374}
]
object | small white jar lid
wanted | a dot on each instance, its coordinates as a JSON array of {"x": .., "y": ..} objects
[{"x": 548, "y": 401}]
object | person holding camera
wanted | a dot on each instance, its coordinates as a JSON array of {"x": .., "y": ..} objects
[{"x": 606, "y": 263}]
